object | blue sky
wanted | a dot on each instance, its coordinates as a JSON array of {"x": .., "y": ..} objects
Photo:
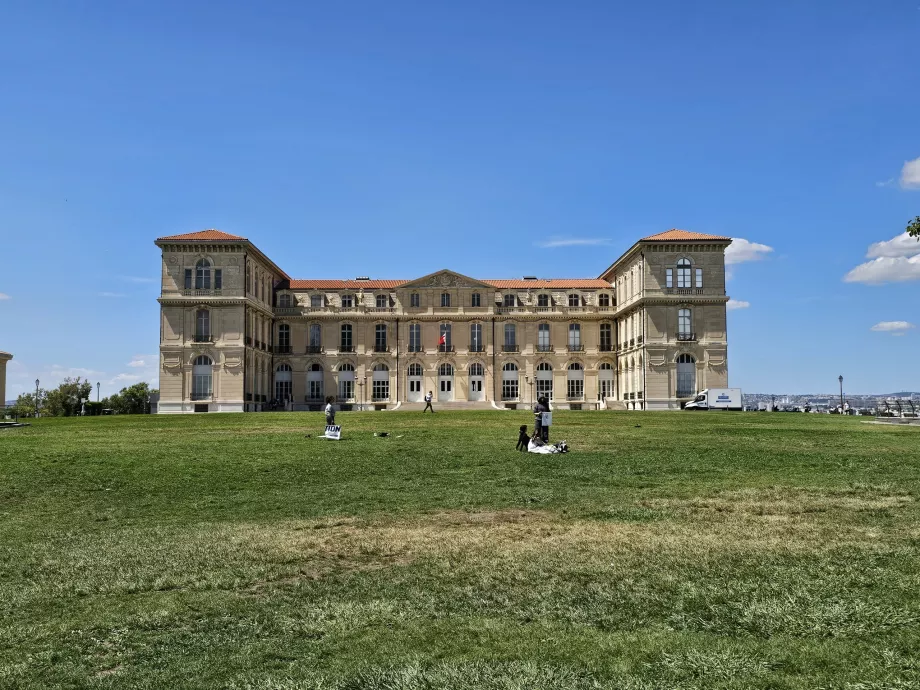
[{"x": 368, "y": 138}]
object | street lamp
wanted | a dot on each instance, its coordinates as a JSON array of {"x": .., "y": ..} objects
[
  {"x": 840, "y": 379},
  {"x": 97, "y": 390},
  {"x": 530, "y": 382},
  {"x": 36, "y": 398}
]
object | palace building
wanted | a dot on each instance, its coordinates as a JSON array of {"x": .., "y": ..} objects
[{"x": 237, "y": 333}]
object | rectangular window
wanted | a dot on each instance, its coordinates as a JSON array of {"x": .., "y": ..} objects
[
  {"x": 316, "y": 301},
  {"x": 381, "y": 389},
  {"x": 380, "y": 337},
  {"x": 284, "y": 335},
  {"x": 414, "y": 299},
  {"x": 347, "y": 301},
  {"x": 444, "y": 342},
  {"x": 382, "y": 301},
  {"x": 315, "y": 389},
  {"x": 510, "y": 336},
  {"x": 476, "y": 300},
  {"x": 543, "y": 300},
  {"x": 576, "y": 388},
  {"x": 283, "y": 390},
  {"x": 415, "y": 337},
  {"x": 510, "y": 385},
  {"x": 346, "y": 344},
  {"x": 188, "y": 279},
  {"x": 684, "y": 323},
  {"x": 201, "y": 386},
  {"x": 574, "y": 336},
  {"x": 218, "y": 279},
  {"x": 543, "y": 344},
  {"x": 669, "y": 277},
  {"x": 476, "y": 337},
  {"x": 316, "y": 337},
  {"x": 509, "y": 300},
  {"x": 347, "y": 389},
  {"x": 574, "y": 301},
  {"x": 445, "y": 299},
  {"x": 606, "y": 337},
  {"x": 699, "y": 277},
  {"x": 203, "y": 325}
]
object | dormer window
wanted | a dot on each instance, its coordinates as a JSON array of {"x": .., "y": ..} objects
[
  {"x": 348, "y": 301},
  {"x": 509, "y": 300},
  {"x": 382, "y": 301},
  {"x": 603, "y": 300},
  {"x": 414, "y": 300},
  {"x": 543, "y": 300},
  {"x": 574, "y": 300},
  {"x": 316, "y": 301},
  {"x": 284, "y": 301},
  {"x": 445, "y": 299}
]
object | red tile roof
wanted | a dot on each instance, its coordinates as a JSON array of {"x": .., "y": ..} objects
[
  {"x": 549, "y": 283},
  {"x": 204, "y": 235},
  {"x": 682, "y": 236},
  {"x": 346, "y": 284}
]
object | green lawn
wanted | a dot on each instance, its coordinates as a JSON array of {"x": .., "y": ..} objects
[{"x": 671, "y": 550}]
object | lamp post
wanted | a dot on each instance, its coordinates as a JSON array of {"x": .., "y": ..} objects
[
  {"x": 36, "y": 398},
  {"x": 530, "y": 383},
  {"x": 97, "y": 390},
  {"x": 840, "y": 379}
]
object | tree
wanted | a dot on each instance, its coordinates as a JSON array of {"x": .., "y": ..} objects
[
  {"x": 65, "y": 400},
  {"x": 913, "y": 228},
  {"x": 25, "y": 404},
  {"x": 131, "y": 400}
]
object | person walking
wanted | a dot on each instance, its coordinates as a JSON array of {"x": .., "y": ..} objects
[
  {"x": 428, "y": 404},
  {"x": 330, "y": 412}
]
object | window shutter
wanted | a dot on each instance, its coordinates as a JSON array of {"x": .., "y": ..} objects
[
  {"x": 217, "y": 279},
  {"x": 188, "y": 279}
]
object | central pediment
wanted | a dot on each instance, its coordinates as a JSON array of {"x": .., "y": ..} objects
[{"x": 446, "y": 279}]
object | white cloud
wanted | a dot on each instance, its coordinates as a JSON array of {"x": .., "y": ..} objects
[
  {"x": 737, "y": 304},
  {"x": 112, "y": 294},
  {"x": 571, "y": 242},
  {"x": 740, "y": 251},
  {"x": 4, "y": 296},
  {"x": 143, "y": 361},
  {"x": 893, "y": 327},
  {"x": 885, "y": 270},
  {"x": 902, "y": 245},
  {"x": 910, "y": 174}
]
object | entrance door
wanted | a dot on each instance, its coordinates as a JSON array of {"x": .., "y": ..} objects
[
  {"x": 476, "y": 376},
  {"x": 346, "y": 382},
  {"x": 445, "y": 383},
  {"x": 415, "y": 383}
]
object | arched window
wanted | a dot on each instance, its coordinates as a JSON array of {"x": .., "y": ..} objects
[
  {"x": 510, "y": 384},
  {"x": 603, "y": 300},
  {"x": 686, "y": 376},
  {"x": 202, "y": 326},
  {"x": 315, "y": 382},
  {"x": 380, "y": 388},
  {"x": 203, "y": 275},
  {"x": 284, "y": 301},
  {"x": 683, "y": 273},
  {"x": 415, "y": 369},
  {"x": 283, "y": 382},
  {"x": 446, "y": 370},
  {"x": 284, "y": 338},
  {"x": 575, "y": 380},
  {"x": 415, "y": 381},
  {"x": 346, "y": 381},
  {"x": 476, "y": 369},
  {"x": 201, "y": 377},
  {"x": 544, "y": 379}
]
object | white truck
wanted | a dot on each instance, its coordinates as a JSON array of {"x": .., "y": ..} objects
[{"x": 716, "y": 399}]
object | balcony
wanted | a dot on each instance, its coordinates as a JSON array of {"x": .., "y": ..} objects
[
  {"x": 381, "y": 348},
  {"x": 508, "y": 310},
  {"x": 415, "y": 348},
  {"x": 282, "y": 349},
  {"x": 544, "y": 348},
  {"x": 382, "y": 310},
  {"x": 445, "y": 348},
  {"x": 686, "y": 337},
  {"x": 314, "y": 349},
  {"x": 576, "y": 347},
  {"x": 510, "y": 348},
  {"x": 202, "y": 293},
  {"x": 346, "y": 348},
  {"x": 201, "y": 338},
  {"x": 476, "y": 347}
]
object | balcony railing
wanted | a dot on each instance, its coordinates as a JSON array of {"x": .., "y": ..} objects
[
  {"x": 605, "y": 347},
  {"x": 476, "y": 347},
  {"x": 510, "y": 348},
  {"x": 445, "y": 348},
  {"x": 576, "y": 347},
  {"x": 314, "y": 349},
  {"x": 346, "y": 348},
  {"x": 382, "y": 310},
  {"x": 201, "y": 338},
  {"x": 639, "y": 340},
  {"x": 287, "y": 311},
  {"x": 282, "y": 349},
  {"x": 198, "y": 292},
  {"x": 544, "y": 348},
  {"x": 381, "y": 348},
  {"x": 415, "y": 348},
  {"x": 686, "y": 337},
  {"x": 632, "y": 342}
]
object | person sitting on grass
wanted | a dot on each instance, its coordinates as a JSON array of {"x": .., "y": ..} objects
[{"x": 536, "y": 445}]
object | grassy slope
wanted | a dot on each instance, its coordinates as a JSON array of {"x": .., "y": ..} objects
[{"x": 695, "y": 550}]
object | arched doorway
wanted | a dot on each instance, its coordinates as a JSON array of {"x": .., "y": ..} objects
[
  {"x": 446, "y": 382},
  {"x": 510, "y": 382},
  {"x": 575, "y": 382},
  {"x": 415, "y": 382},
  {"x": 347, "y": 382},
  {"x": 604, "y": 381},
  {"x": 476, "y": 377},
  {"x": 380, "y": 385},
  {"x": 544, "y": 381},
  {"x": 686, "y": 376}
]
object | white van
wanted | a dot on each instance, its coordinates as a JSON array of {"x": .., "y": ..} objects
[{"x": 716, "y": 399}]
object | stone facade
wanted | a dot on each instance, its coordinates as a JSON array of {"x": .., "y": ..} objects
[
  {"x": 237, "y": 332},
  {"x": 4, "y": 358}
]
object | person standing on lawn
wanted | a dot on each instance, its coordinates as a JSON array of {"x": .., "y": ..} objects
[
  {"x": 330, "y": 412},
  {"x": 538, "y": 410},
  {"x": 428, "y": 403}
]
